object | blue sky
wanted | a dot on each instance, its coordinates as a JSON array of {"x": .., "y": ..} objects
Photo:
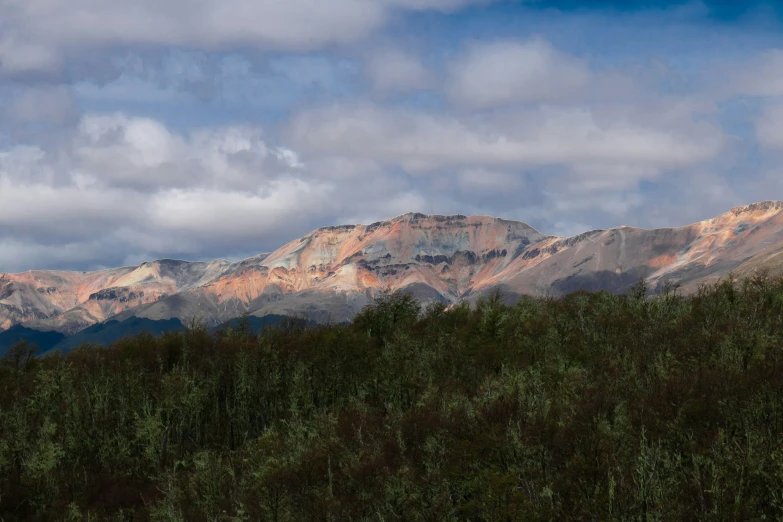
[{"x": 196, "y": 129}]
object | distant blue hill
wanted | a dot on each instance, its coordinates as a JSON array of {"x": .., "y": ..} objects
[
  {"x": 44, "y": 340},
  {"x": 109, "y": 332}
]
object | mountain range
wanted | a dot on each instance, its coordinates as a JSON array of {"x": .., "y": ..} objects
[{"x": 332, "y": 272}]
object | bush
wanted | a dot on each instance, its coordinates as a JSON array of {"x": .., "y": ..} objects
[{"x": 589, "y": 407}]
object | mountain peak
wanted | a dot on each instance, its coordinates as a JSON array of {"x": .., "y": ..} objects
[
  {"x": 417, "y": 218},
  {"x": 456, "y": 220},
  {"x": 761, "y": 206},
  {"x": 336, "y": 270}
]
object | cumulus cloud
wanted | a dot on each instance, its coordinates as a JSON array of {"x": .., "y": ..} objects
[
  {"x": 23, "y": 254},
  {"x": 129, "y": 188},
  {"x": 35, "y": 34},
  {"x": 760, "y": 76},
  {"x": 583, "y": 139},
  {"x": 490, "y": 74},
  {"x": 480, "y": 181},
  {"x": 236, "y": 215},
  {"x": 769, "y": 126},
  {"x": 19, "y": 56},
  {"x": 45, "y": 104},
  {"x": 516, "y": 128},
  {"x": 395, "y": 70},
  {"x": 60, "y": 214},
  {"x": 139, "y": 188},
  {"x": 517, "y": 162},
  {"x": 141, "y": 153}
]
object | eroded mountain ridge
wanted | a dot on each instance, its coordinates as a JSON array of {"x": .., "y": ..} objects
[{"x": 332, "y": 272}]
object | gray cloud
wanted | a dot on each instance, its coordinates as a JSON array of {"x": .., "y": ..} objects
[
  {"x": 532, "y": 134},
  {"x": 585, "y": 139},
  {"x": 47, "y": 104},
  {"x": 142, "y": 154},
  {"x": 769, "y": 126},
  {"x": 490, "y": 74},
  {"x": 761, "y": 76},
  {"x": 130, "y": 188},
  {"x": 35, "y": 35},
  {"x": 146, "y": 190},
  {"x": 396, "y": 70}
]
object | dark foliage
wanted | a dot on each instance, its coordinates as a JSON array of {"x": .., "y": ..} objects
[{"x": 589, "y": 407}]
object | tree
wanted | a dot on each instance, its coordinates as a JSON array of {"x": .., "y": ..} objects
[{"x": 388, "y": 313}]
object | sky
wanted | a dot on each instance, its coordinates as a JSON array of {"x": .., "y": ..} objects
[{"x": 195, "y": 129}]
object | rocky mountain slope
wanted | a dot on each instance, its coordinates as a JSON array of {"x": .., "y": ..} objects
[
  {"x": 332, "y": 272},
  {"x": 69, "y": 301}
]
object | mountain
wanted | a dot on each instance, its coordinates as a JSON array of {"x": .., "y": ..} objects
[
  {"x": 70, "y": 301},
  {"x": 111, "y": 331},
  {"x": 332, "y": 272},
  {"x": 44, "y": 340}
]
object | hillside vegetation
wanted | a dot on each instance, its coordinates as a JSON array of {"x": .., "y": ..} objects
[{"x": 589, "y": 407}]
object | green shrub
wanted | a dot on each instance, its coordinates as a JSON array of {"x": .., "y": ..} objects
[{"x": 589, "y": 407}]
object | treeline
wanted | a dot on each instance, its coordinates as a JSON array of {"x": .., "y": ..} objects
[{"x": 589, "y": 407}]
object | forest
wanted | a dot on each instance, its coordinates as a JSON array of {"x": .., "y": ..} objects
[{"x": 591, "y": 406}]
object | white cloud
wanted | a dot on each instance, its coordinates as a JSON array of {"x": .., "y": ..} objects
[
  {"x": 616, "y": 204},
  {"x": 20, "y": 254},
  {"x": 760, "y": 76},
  {"x": 582, "y": 139},
  {"x": 395, "y": 70},
  {"x": 233, "y": 214},
  {"x": 769, "y": 126},
  {"x": 383, "y": 208},
  {"x": 128, "y": 88},
  {"x": 125, "y": 186},
  {"x": 46, "y": 213},
  {"x": 19, "y": 55},
  {"x": 532, "y": 133},
  {"x": 36, "y": 33},
  {"x": 131, "y": 188},
  {"x": 506, "y": 72},
  {"x": 53, "y": 104},
  {"x": 478, "y": 181},
  {"x": 141, "y": 153},
  {"x": 288, "y": 157}
]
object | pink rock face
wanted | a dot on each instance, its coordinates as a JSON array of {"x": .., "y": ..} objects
[
  {"x": 69, "y": 301},
  {"x": 448, "y": 254},
  {"x": 332, "y": 272}
]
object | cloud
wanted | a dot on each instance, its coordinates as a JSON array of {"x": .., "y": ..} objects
[
  {"x": 582, "y": 139},
  {"x": 19, "y": 254},
  {"x": 19, "y": 56},
  {"x": 61, "y": 215},
  {"x": 395, "y": 70},
  {"x": 478, "y": 181},
  {"x": 235, "y": 215},
  {"x": 48, "y": 104},
  {"x": 491, "y": 74},
  {"x": 548, "y": 165},
  {"x": 769, "y": 126},
  {"x": 141, "y": 153},
  {"x": 199, "y": 83},
  {"x": 574, "y": 134},
  {"x": 760, "y": 76},
  {"x": 129, "y": 186},
  {"x": 36, "y": 34}
]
